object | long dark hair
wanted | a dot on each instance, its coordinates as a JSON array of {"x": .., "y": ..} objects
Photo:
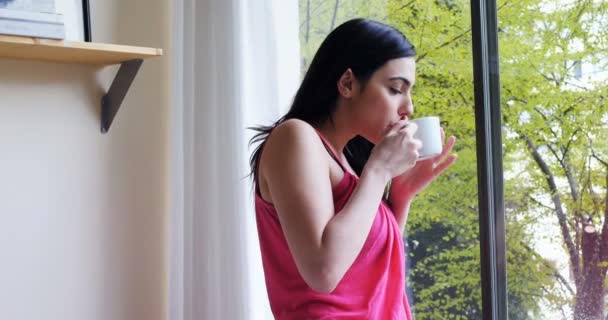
[{"x": 362, "y": 45}]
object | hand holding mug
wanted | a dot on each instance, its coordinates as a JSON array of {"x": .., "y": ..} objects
[
  {"x": 434, "y": 158},
  {"x": 429, "y": 132}
]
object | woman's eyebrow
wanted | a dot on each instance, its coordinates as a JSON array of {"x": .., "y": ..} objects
[{"x": 406, "y": 81}]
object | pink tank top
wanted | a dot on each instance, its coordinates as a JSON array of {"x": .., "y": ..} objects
[{"x": 372, "y": 288}]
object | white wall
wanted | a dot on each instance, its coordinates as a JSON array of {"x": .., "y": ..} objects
[{"x": 83, "y": 216}]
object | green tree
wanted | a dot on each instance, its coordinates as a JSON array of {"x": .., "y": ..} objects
[
  {"x": 560, "y": 123},
  {"x": 319, "y": 17}
]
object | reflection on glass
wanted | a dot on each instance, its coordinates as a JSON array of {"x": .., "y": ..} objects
[
  {"x": 553, "y": 57},
  {"x": 442, "y": 232}
]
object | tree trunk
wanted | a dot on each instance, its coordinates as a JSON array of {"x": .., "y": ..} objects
[{"x": 589, "y": 303}]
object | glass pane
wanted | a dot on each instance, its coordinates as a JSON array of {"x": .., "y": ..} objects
[
  {"x": 442, "y": 236},
  {"x": 553, "y": 57}
]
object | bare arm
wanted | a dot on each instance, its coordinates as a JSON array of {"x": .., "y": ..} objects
[
  {"x": 400, "y": 205},
  {"x": 324, "y": 244}
]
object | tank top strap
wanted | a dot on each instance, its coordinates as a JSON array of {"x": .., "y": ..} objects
[
  {"x": 331, "y": 151},
  {"x": 327, "y": 147}
]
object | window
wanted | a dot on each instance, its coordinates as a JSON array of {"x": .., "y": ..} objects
[{"x": 555, "y": 158}]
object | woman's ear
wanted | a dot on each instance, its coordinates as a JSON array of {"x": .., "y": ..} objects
[{"x": 347, "y": 84}]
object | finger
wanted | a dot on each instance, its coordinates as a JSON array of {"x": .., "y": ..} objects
[
  {"x": 442, "y": 135},
  {"x": 395, "y": 127},
  {"x": 417, "y": 144},
  {"x": 403, "y": 124},
  {"x": 411, "y": 128},
  {"x": 447, "y": 149},
  {"x": 445, "y": 165}
]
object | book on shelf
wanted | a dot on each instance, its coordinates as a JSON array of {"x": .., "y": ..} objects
[
  {"x": 32, "y": 29},
  {"x": 29, "y": 5},
  {"x": 31, "y": 24},
  {"x": 31, "y": 16}
]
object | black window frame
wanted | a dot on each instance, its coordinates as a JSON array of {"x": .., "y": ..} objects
[{"x": 489, "y": 159}]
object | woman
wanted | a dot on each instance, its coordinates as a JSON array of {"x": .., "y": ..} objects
[{"x": 331, "y": 247}]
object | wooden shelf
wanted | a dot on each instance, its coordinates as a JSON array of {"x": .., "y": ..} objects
[
  {"x": 130, "y": 59},
  {"x": 25, "y": 48}
]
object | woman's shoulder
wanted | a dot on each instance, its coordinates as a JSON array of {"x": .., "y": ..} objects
[
  {"x": 292, "y": 133},
  {"x": 295, "y": 126},
  {"x": 290, "y": 138},
  {"x": 292, "y": 152}
]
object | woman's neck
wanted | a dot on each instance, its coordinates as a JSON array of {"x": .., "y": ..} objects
[{"x": 336, "y": 132}]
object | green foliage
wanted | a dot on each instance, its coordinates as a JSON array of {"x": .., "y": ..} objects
[
  {"x": 541, "y": 101},
  {"x": 320, "y": 20}
]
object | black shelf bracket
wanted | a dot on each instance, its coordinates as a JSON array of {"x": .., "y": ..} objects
[{"x": 111, "y": 101}]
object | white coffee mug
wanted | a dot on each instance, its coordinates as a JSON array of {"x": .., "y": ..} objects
[{"x": 429, "y": 132}]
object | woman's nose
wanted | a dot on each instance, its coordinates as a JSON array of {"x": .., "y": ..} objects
[{"x": 406, "y": 109}]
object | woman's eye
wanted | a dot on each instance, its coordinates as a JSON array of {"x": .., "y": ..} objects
[{"x": 395, "y": 91}]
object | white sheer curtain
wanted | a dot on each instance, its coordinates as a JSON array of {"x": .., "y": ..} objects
[{"x": 235, "y": 64}]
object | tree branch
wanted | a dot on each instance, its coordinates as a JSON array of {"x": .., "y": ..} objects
[
  {"x": 574, "y": 187},
  {"x": 406, "y": 5},
  {"x": 554, "y": 270},
  {"x": 557, "y": 157},
  {"x": 561, "y": 216},
  {"x": 307, "y": 34},
  {"x": 548, "y": 127},
  {"x": 447, "y": 43},
  {"x": 421, "y": 56},
  {"x": 540, "y": 203},
  {"x": 333, "y": 18},
  {"x": 567, "y": 148},
  {"x": 598, "y": 159},
  {"x": 464, "y": 99},
  {"x": 312, "y": 12}
]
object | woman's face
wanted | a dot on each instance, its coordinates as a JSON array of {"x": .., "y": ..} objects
[{"x": 385, "y": 98}]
